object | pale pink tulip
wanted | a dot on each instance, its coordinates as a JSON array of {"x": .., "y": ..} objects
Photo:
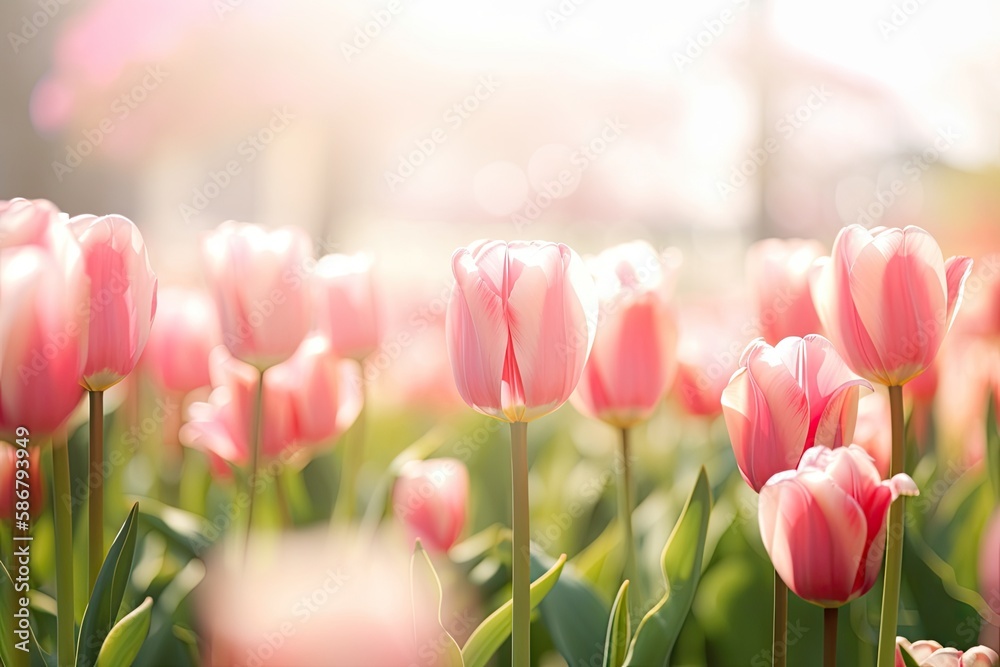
[
  {"x": 184, "y": 333},
  {"x": 708, "y": 353},
  {"x": 347, "y": 305},
  {"x": 786, "y": 398},
  {"x": 259, "y": 282},
  {"x": 521, "y": 323},
  {"x": 823, "y": 524},
  {"x": 989, "y": 563},
  {"x": 430, "y": 499},
  {"x": 122, "y": 297},
  {"x": 929, "y": 653},
  {"x": 31, "y": 462},
  {"x": 873, "y": 430},
  {"x": 887, "y": 298},
  {"x": 778, "y": 275},
  {"x": 634, "y": 358},
  {"x": 43, "y": 333},
  {"x": 30, "y": 222}
]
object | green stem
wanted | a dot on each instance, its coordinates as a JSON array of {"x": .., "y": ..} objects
[
  {"x": 62, "y": 508},
  {"x": 95, "y": 545},
  {"x": 354, "y": 450},
  {"x": 284, "y": 508},
  {"x": 894, "y": 539},
  {"x": 625, "y": 505},
  {"x": 521, "y": 556},
  {"x": 255, "y": 429},
  {"x": 830, "y": 636},
  {"x": 779, "y": 647}
]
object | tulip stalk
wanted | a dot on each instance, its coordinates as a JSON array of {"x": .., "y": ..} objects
[
  {"x": 830, "y": 636},
  {"x": 894, "y": 538},
  {"x": 256, "y": 418},
  {"x": 95, "y": 545},
  {"x": 778, "y": 643},
  {"x": 63, "y": 518},
  {"x": 521, "y": 577},
  {"x": 625, "y": 501}
]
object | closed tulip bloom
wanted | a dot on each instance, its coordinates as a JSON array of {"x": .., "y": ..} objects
[
  {"x": 430, "y": 499},
  {"x": 823, "y": 524},
  {"x": 8, "y": 480},
  {"x": 873, "y": 430},
  {"x": 43, "y": 334},
  {"x": 521, "y": 322},
  {"x": 929, "y": 653},
  {"x": 122, "y": 297},
  {"x": 29, "y": 222},
  {"x": 887, "y": 298},
  {"x": 258, "y": 281},
  {"x": 786, "y": 398},
  {"x": 778, "y": 275},
  {"x": 634, "y": 359},
  {"x": 184, "y": 333},
  {"x": 346, "y": 304}
]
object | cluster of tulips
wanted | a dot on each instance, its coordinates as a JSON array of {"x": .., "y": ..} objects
[{"x": 269, "y": 365}]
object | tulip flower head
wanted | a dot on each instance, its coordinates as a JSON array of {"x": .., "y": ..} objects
[
  {"x": 122, "y": 297},
  {"x": 9, "y": 456},
  {"x": 634, "y": 358},
  {"x": 778, "y": 274},
  {"x": 887, "y": 298},
  {"x": 520, "y": 325},
  {"x": 258, "y": 281},
  {"x": 184, "y": 333},
  {"x": 823, "y": 524},
  {"x": 785, "y": 399},
  {"x": 928, "y": 653},
  {"x": 347, "y": 304},
  {"x": 430, "y": 499}
]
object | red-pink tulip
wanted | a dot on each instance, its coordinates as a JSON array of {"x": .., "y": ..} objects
[
  {"x": 430, "y": 500},
  {"x": 873, "y": 430},
  {"x": 786, "y": 398},
  {"x": 634, "y": 358},
  {"x": 823, "y": 524},
  {"x": 929, "y": 653},
  {"x": 43, "y": 333},
  {"x": 258, "y": 280},
  {"x": 887, "y": 298},
  {"x": 122, "y": 297},
  {"x": 989, "y": 563},
  {"x": 347, "y": 304},
  {"x": 521, "y": 323},
  {"x": 184, "y": 333},
  {"x": 31, "y": 464},
  {"x": 778, "y": 275}
]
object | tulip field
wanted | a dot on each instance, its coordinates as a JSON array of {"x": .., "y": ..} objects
[{"x": 225, "y": 475}]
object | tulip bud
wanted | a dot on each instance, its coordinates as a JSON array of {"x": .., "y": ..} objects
[
  {"x": 184, "y": 333},
  {"x": 347, "y": 304},
  {"x": 430, "y": 498},
  {"x": 778, "y": 275},
  {"x": 31, "y": 461}
]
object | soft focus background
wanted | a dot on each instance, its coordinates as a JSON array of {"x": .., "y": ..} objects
[{"x": 405, "y": 128}]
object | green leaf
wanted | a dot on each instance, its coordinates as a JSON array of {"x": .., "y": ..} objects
[
  {"x": 125, "y": 639},
  {"x": 106, "y": 600},
  {"x": 619, "y": 629},
  {"x": 493, "y": 631},
  {"x": 6, "y": 642},
  {"x": 574, "y": 613},
  {"x": 426, "y": 586},
  {"x": 908, "y": 659},
  {"x": 682, "y": 556},
  {"x": 993, "y": 446}
]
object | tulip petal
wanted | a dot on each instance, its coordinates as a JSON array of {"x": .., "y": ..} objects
[
  {"x": 956, "y": 271},
  {"x": 980, "y": 656},
  {"x": 943, "y": 657}
]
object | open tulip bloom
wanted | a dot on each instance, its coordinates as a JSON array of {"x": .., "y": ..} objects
[{"x": 520, "y": 325}]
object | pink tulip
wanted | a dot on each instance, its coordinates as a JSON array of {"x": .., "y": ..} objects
[
  {"x": 258, "y": 280},
  {"x": 823, "y": 524},
  {"x": 184, "y": 333},
  {"x": 521, "y": 322},
  {"x": 347, "y": 304},
  {"x": 989, "y": 563},
  {"x": 430, "y": 499},
  {"x": 32, "y": 463},
  {"x": 122, "y": 297},
  {"x": 887, "y": 298},
  {"x": 43, "y": 333},
  {"x": 634, "y": 358},
  {"x": 873, "y": 431},
  {"x": 929, "y": 653},
  {"x": 778, "y": 274},
  {"x": 30, "y": 222},
  {"x": 785, "y": 399}
]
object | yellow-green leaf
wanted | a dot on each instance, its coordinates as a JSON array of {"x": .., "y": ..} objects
[
  {"x": 125, "y": 639},
  {"x": 619, "y": 629}
]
